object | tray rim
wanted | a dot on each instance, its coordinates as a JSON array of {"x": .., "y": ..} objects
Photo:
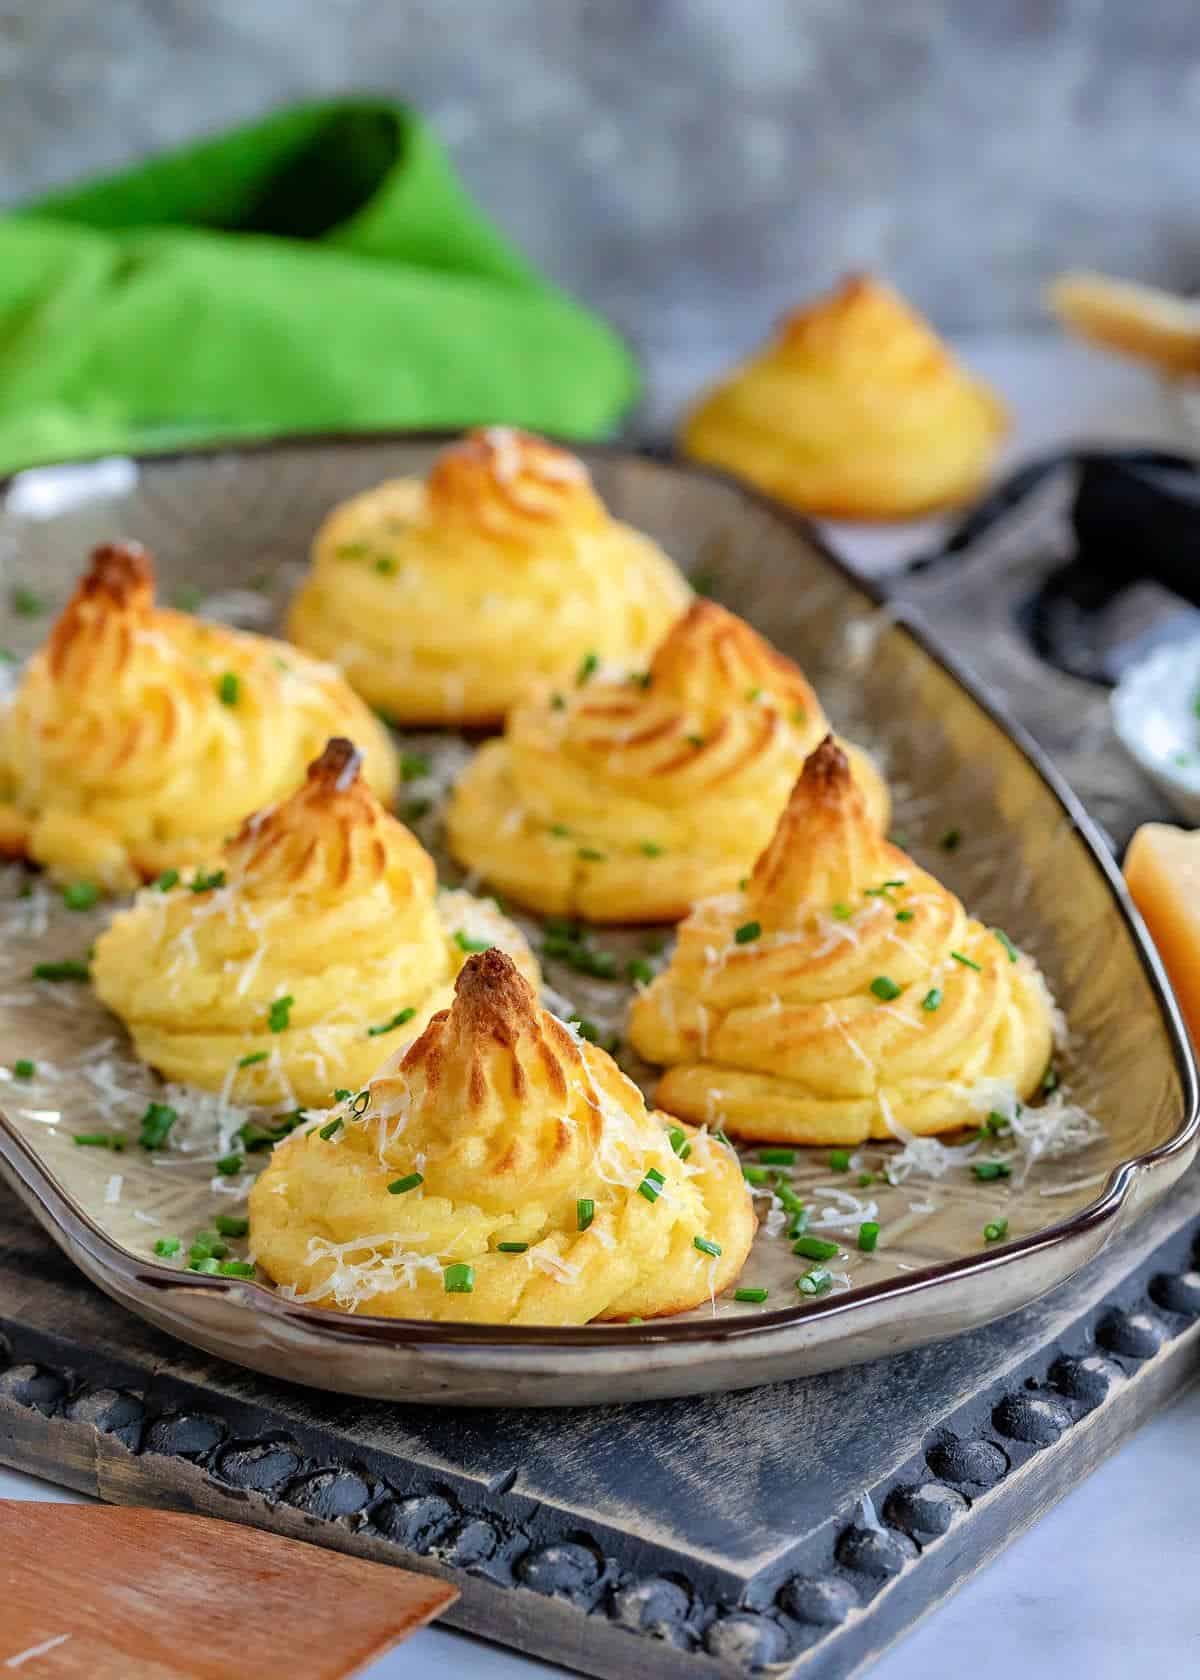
[{"x": 1115, "y": 1203}]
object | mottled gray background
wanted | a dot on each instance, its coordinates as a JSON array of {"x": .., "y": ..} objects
[{"x": 691, "y": 167}]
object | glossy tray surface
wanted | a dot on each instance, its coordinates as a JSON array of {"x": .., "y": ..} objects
[{"x": 232, "y": 528}]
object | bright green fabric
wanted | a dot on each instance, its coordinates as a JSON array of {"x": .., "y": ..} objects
[{"x": 322, "y": 269}]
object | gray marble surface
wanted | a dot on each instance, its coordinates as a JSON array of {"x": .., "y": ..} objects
[{"x": 691, "y": 167}]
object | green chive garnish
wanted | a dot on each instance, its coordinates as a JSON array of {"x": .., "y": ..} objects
[
  {"x": 932, "y": 999},
  {"x": 385, "y": 565},
  {"x": 987, "y": 1170},
  {"x": 814, "y": 1248},
  {"x": 998, "y": 1123},
  {"x": 885, "y": 988},
  {"x": 651, "y": 848},
  {"x": 1050, "y": 1080},
  {"x": 25, "y": 603},
  {"x": 590, "y": 854},
  {"x": 755, "y": 1175},
  {"x": 24, "y": 1069},
  {"x": 229, "y": 1166},
  {"x": 842, "y": 912},
  {"x": 352, "y": 551},
  {"x": 253, "y": 1057},
  {"x": 951, "y": 840},
  {"x": 401, "y": 1186},
  {"x": 707, "y": 1246},
  {"x": 787, "y": 1197},
  {"x": 994, "y": 1231},
  {"x": 752, "y": 694},
  {"x": 557, "y": 703},
  {"x": 413, "y": 766},
  {"x": 459, "y": 1279},
  {"x": 331, "y": 1128},
  {"x": 415, "y": 809},
  {"x": 232, "y": 1224},
  {"x": 747, "y": 932},
  {"x": 80, "y": 895},
  {"x": 905, "y": 915},
  {"x": 696, "y": 741},
  {"x": 279, "y": 1014},
  {"x": 649, "y": 1189},
  {"x": 966, "y": 961},
  {"x": 208, "y": 1264},
  {"x": 755, "y": 1296},
  {"x": 639, "y": 970},
  {"x": 67, "y": 970},
  {"x": 642, "y": 679},
  {"x": 168, "y": 879},
  {"x": 588, "y": 666},
  {"x": 678, "y": 1140},
  {"x": 777, "y": 1157},
  {"x": 93, "y": 1140},
  {"x": 815, "y": 1282},
  {"x": 865, "y": 1178},
  {"x": 228, "y": 688},
  {"x": 466, "y": 943},
  {"x": 399, "y": 1019},
  {"x": 868, "y": 1236},
  {"x": 1007, "y": 943},
  {"x": 202, "y": 883},
  {"x": 585, "y": 1212},
  {"x": 236, "y": 1268},
  {"x": 156, "y": 1125},
  {"x": 166, "y": 1246},
  {"x": 839, "y": 1160},
  {"x": 511, "y": 1248},
  {"x": 586, "y": 1029}
]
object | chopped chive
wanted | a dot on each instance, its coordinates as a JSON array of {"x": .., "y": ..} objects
[
  {"x": 156, "y": 1125},
  {"x": 1050, "y": 1080},
  {"x": 639, "y": 970},
  {"x": 557, "y": 703},
  {"x": 752, "y": 694},
  {"x": 342, "y": 1095},
  {"x": 800, "y": 715},
  {"x": 80, "y": 895},
  {"x": 868, "y": 1236},
  {"x": 69, "y": 969},
  {"x": 651, "y": 848},
  {"x": 885, "y": 988},
  {"x": 747, "y": 932},
  {"x": 585, "y": 1212},
  {"x": 997, "y": 1124},
  {"x": 787, "y": 1197},
  {"x": 905, "y": 915},
  {"x": 401, "y": 1186},
  {"x": 331, "y": 1128},
  {"x": 653, "y": 1172},
  {"x": 93, "y": 1140},
  {"x": 707, "y": 1246},
  {"x": 352, "y": 551},
  {"x": 202, "y": 883},
  {"x": 865, "y": 1178},
  {"x": 755, "y": 1175},
  {"x": 168, "y": 879},
  {"x": 228, "y": 688},
  {"x": 704, "y": 582},
  {"x": 591, "y": 855},
  {"x": 1007, "y": 943},
  {"x": 678, "y": 1139},
  {"x": 649, "y": 1189},
  {"x": 255, "y": 1056},
  {"x": 588, "y": 666},
  {"x": 798, "y": 1224},
  {"x": 696, "y": 741},
  {"x": 166, "y": 1246},
  {"x": 777, "y": 1157},
  {"x": 932, "y": 999},
  {"x": 26, "y": 603},
  {"x": 814, "y": 1282},
  {"x": 232, "y": 1224},
  {"x": 207, "y": 1264},
  {"x": 24, "y": 1069},
  {"x": 995, "y": 1230},
  {"x": 465, "y": 943},
  {"x": 839, "y": 1160},
  {"x": 511, "y": 1248},
  {"x": 459, "y": 1279},
  {"x": 229, "y": 1166},
  {"x": 208, "y": 1246},
  {"x": 385, "y": 565},
  {"x": 755, "y": 1296},
  {"x": 586, "y": 1029},
  {"x": 743, "y": 883},
  {"x": 966, "y": 961},
  {"x": 814, "y": 1248},
  {"x": 413, "y": 766},
  {"x": 236, "y": 1268},
  {"x": 399, "y": 1019},
  {"x": 415, "y": 809},
  {"x": 721, "y": 1137},
  {"x": 279, "y": 1014},
  {"x": 842, "y": 912},
  {"x": 951, "y": 840},
  {"x": 642, "y": 679},
  {"x": 988, "y": 1170}
]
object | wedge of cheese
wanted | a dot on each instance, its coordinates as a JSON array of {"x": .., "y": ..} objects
[{"x": 1162, "y": 867}]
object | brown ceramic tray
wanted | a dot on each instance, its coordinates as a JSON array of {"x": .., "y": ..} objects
[{"x": 234, "y": 525}]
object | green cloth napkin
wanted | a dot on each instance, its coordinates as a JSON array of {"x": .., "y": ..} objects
[{"x": 321, "y": 269}]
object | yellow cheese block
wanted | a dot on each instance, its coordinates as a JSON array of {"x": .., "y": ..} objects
[{"x": 1162, "y": 867}]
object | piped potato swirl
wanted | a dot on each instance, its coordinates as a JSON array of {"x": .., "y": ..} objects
[
  {"x": 443, "y": 600},
  {"x": 294, "y": 968},
  {"x": 628, "y": 798},
  {"x": 503, "y": 1171},
  {"x": 845, "y": 994},
  {"x": 139, "y": 737}
]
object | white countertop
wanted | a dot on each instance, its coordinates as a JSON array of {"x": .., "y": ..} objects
[{"x": 1106, "y": 1584}]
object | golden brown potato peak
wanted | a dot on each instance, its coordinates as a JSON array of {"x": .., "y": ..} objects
[
  {"x": 510, "y": 483},
  {"x": 112, "y": 597},
  {"x": 713, "y": 657}
]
